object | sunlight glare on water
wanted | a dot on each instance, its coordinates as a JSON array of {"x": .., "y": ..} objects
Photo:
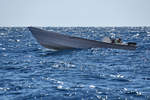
[{"x": 31, "y": 72}]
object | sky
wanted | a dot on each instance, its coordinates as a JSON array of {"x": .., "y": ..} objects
[{"x": 69, "y": 13}]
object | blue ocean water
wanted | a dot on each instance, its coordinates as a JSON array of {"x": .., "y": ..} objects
[{"x": 31, "y": 72}]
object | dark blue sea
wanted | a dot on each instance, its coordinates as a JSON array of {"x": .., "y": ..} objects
[{"x": 29, "y": 71}]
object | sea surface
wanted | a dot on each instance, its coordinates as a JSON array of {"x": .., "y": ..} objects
[{"x": 29, "y": 71}]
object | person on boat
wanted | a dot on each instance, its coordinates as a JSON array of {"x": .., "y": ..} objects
[
  {"x": 119, "y": 41},
  {"x": 116, "y": 41},
  {"x": 112, "y": 40}
]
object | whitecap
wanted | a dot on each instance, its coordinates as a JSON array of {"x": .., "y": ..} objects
[
  {"x": 4, "y": 89},
  {"x": 2, "y": 34},
  {"x": 17, "y": 40},
  {"x": 10, "y": 40},
  {"x": 56, "y": 66},
  {"x": 120, "y": 76},
  {"x": 59, "y": 87},
  {"x": 125, "y": 89},
  {"x": 60, "y": 82},
  {"x": 117, "y": 76},
  {"x": 3, "y": 48},
  {"x": 148, "y": 33},
  {"x": 136, "y": 35},
  {"x": 91, "y": 86}
]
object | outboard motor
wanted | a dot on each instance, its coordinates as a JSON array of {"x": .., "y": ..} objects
[{"x": 131, "y": 43}]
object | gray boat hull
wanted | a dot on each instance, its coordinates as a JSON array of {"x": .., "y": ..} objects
[{"x": 53, "y": 40}]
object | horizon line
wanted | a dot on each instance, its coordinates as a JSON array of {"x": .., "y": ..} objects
[{"x": 76, "y": 26}]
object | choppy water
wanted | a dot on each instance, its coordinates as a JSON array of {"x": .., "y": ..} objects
[{"x": 31, "y": 72}]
